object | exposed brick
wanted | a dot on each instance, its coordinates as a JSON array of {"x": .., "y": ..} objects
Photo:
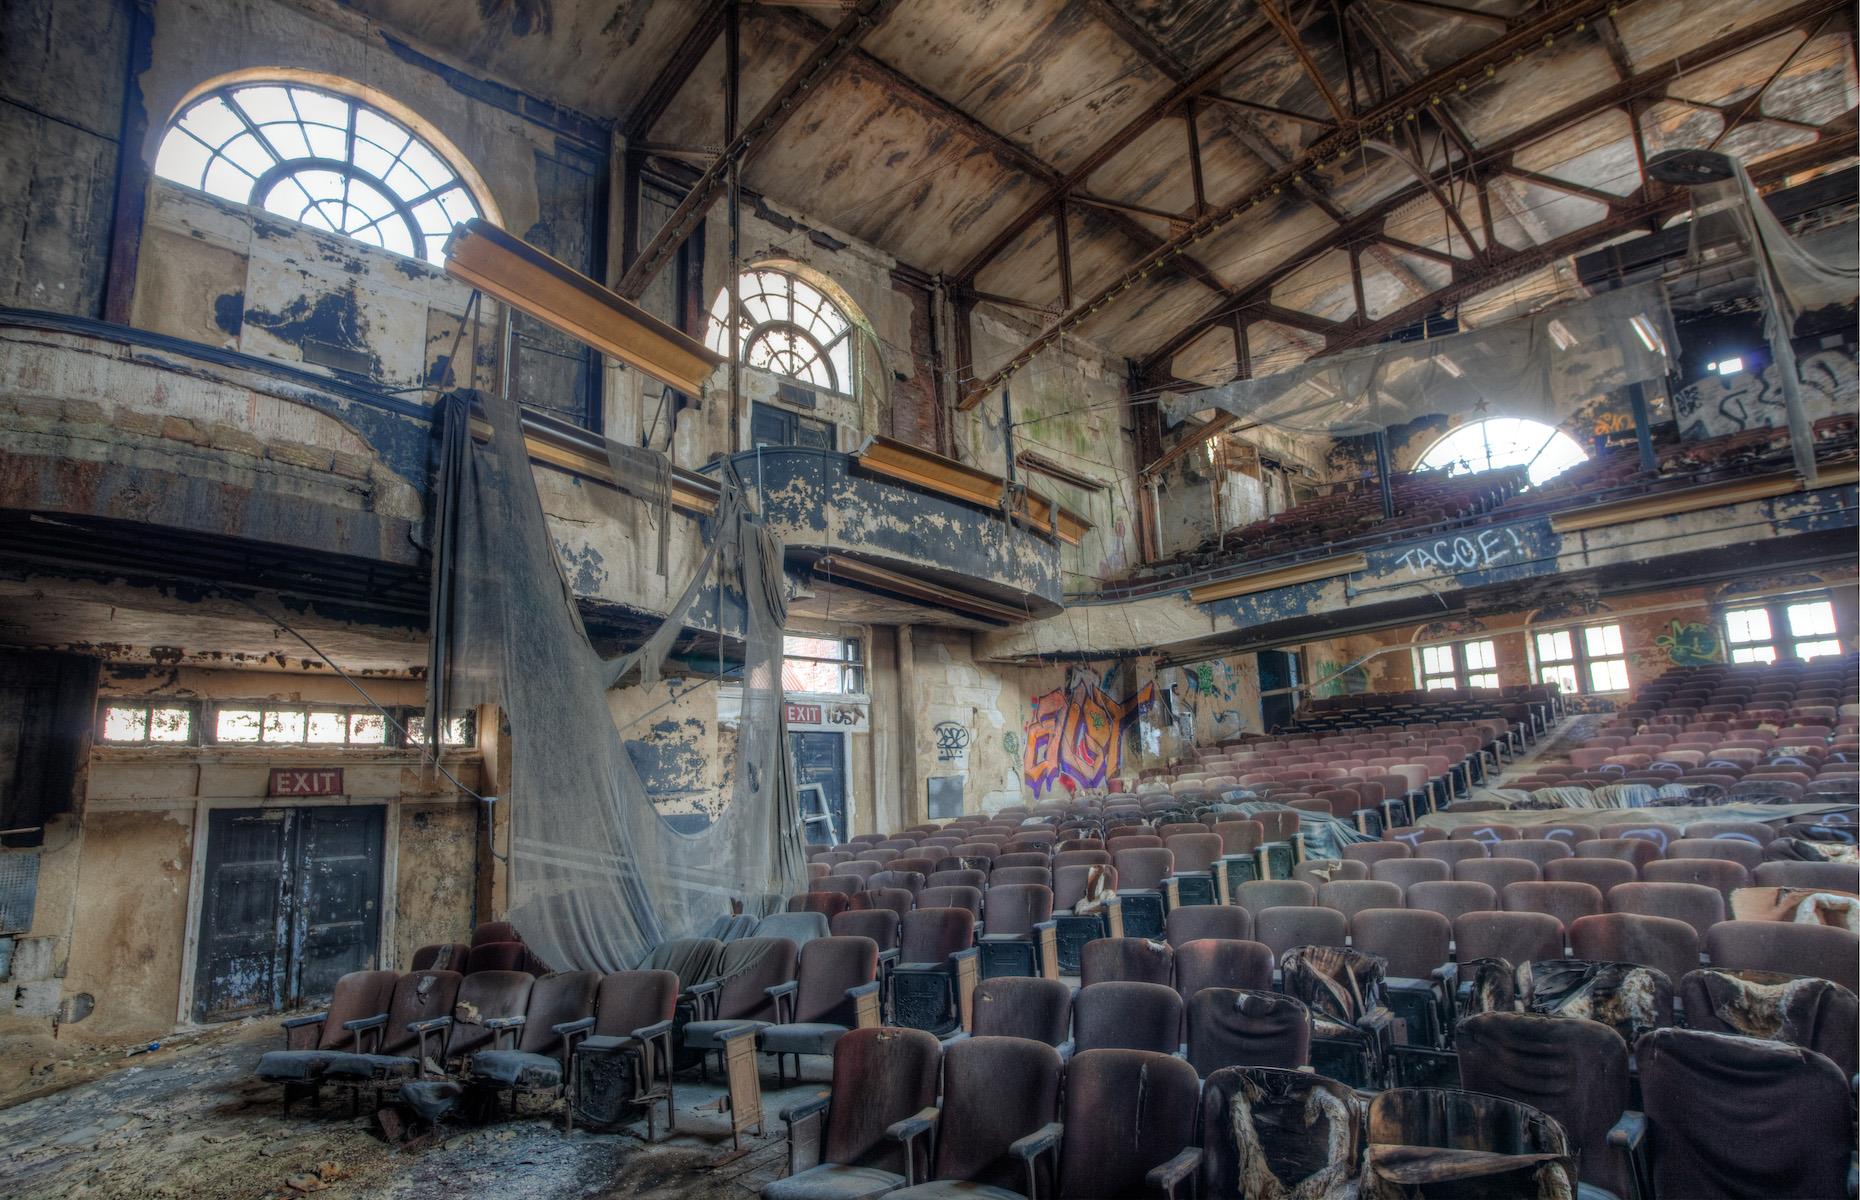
[
  {"x": 298, "y": 455},
  {"x": 222, "y": 436},
  {"x": 84, "y": 412},
  {"x": 130, "y": 420},
  {"x": 354, "y": 466},
  {"x": 180, "y": 429}
]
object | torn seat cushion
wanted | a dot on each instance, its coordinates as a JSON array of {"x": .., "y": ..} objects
[
  {"x": 431, "y": 1100},
  {"x": 295, "y": 1066},
  {"x": 705, "y": 1035},
  {"x": 353, "y": 1068},
  {"x": 834, "y": 1181},
  {"x": 516, "y": 1068}
]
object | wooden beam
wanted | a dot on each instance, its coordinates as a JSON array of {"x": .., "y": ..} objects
[
  {"x": 1110, "y": 147},
  {"x": 1263, "y": 581},
  {"x": 1458, "y": 13},
  {"x": 677, "y": 69},
  {"x": 504, "y": 266},
  {"x": 1268, "y": 110},
  {"x": 1290, "y": 33},
  {"x": 1321, "y": 151},
  {"x": 932, "y": 472},
  {"x": 775, "y": 113},
  {"x": 1368, "y": 222},
  {"x": 1132, "y": 33}
]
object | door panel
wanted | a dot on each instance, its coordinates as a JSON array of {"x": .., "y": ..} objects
[
  {"x": 1277, "y": 669},
  {"x": 338, "y": 918},
  {"x": 244, "y": 930},
  {"x": 290, "y": 903}
]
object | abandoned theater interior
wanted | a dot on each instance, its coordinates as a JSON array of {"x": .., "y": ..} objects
[{"x": 822, "y": 599}]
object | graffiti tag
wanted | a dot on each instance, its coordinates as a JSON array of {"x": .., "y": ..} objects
[
  {"x": 952, "y": 741},
  {"x": 1468, "y": 552},
  {"x": 1076, "y": 738},
  {"x": 1689, "y": 644}
]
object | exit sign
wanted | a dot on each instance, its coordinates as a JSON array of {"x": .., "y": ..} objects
[{"x": 305, "y": 781}]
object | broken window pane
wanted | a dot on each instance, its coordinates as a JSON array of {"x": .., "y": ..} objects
[
  {"x": 171, "y": 724},
  {"x": 283, "y": 725},
  {"x": 238, "y": 725},
  {"x": 326, "y": 727},
  {"x": 125, "y": 723},
  {"x": 367, "y": 728}
]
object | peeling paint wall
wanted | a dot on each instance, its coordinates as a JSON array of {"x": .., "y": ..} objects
[
  {"x": 130, "y": 869},
  {"x": 62, "y": 68}
]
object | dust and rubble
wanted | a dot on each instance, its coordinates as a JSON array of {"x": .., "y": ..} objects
[{"x": 190, "y": 1119}]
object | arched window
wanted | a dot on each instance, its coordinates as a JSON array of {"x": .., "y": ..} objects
[
  {"x": 789, "y": 327},
  {"x": 1543, "y": 450},
  {"x": 324, "y": 159}
]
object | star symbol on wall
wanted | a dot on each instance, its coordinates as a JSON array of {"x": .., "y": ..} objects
[{"x": 1480, "y": 405}]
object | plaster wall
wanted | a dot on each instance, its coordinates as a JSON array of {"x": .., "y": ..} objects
[{"x": 118, "y": 894}]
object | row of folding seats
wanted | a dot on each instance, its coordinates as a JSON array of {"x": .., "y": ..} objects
[
  {"x": 1005, "y": 1114},
  {"x": 496, "y": 1031}
]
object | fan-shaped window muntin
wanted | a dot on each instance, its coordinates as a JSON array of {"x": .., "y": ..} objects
[
  {"x": 1543, "y": 450},
  {"x": 787, "y": 327},
  {"x": 322, "y": 159}
]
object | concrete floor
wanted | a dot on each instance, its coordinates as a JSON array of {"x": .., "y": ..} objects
[{"x": 191, "y": 1121}]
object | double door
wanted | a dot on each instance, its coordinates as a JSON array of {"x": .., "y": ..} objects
[{"x": 291, "y": 902}]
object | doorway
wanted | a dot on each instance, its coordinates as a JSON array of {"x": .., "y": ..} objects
[
  {"x": 290, "y": 902},
  {"x": 820, "y": 758},
  {"x": 1278, "y": 672}
]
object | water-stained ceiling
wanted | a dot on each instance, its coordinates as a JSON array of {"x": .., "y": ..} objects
[{"x": 1177, "y": 180}]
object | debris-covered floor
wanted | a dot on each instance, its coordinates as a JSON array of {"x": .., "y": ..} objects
[{"x": 191, "y": 1121}]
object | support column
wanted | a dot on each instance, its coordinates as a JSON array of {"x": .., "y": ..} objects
[
  {"x": 1383, "y": 481},
  {"x": 1643, "y": 429}
]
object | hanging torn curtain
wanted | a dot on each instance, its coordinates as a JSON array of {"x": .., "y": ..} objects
[{"x": 596, "y": 876}]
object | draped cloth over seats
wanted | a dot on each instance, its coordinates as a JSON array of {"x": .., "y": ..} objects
[{"x": 597, "y": 874}]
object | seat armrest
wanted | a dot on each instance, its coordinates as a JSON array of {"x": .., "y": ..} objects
[
  {"x": 505, "y": 1029},
  {"x": 361, "y": 1027},
  {"x": 997, "y": 939},
  {"x": 1066, "y": 1049},
  {"x": 888, "y": 957},
  {"x": 1038, "y": 1142},
  {"x": 805, "y": 1118},
  {"x": 1042, "y": 926},
  {"x": 1629, "y": 1132},
  {"x": 1628, "y": 1136},
  {"x": 956, "y": 956},
  {"x": 302, "y": 1033},
  {"x": 1171, "y": 1175},
  {"x": 704, "y": 996},
  {"x": 1029, "y": 1149},
  {"x": 908, "y": 1131},
  {"x": 783, "y": 994},
  {"x": 426, "y": 1029},
  {"x": 572, "y": 1031}
]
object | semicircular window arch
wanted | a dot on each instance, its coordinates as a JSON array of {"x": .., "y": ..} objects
[
  {"x": 788, "y": 327},
  {"x": 321, "y": 158},
  {"x": 1543, "y": 450}
]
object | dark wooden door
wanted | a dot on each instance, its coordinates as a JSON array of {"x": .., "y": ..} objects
[
  {"x": 1277, "y": 670},
  {"x": 337, "y": 918},
  {"x": 290, "y": 902},
  {"x": 821, "y": 758}
]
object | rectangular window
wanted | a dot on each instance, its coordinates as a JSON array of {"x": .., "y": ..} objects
[
  {"x": 771, "y": 426},
  {"x": 145, "y": 723},
  {"x": 1481, "y": 664},
  {"x": 822, "y": 665},
  {"x": 1445, "y": 666},
  {"x": 1590, "y": 659},
  {"x": 247, "y": 723},
  {"x": 1804, "y": 628}
]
